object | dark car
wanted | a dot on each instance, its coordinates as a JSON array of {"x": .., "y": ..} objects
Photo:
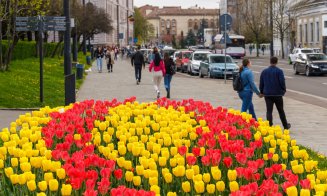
[{"x": 311, "y": 64}]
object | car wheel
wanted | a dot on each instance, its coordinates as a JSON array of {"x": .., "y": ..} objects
[
  {"x": 200, "y": 73},
  {"x": 295, "y": 70},
  {"x": 307, "y": 71},
  {"x": 209, "y": 74}
]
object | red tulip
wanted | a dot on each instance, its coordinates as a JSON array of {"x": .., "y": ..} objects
[
  {"x": 277, "y": 168},
  {"x": 191, "y": 160},
  {"x": 104, "y": 185},
  {"x": 228, "y": 161},
  {"x": 90, "y": 193},
  {"x": 241, "y": 158},
  {"x": 182, "y": 150},
  {"x": 305, "y": 184},
  {"x": 196, "y": 151},
  {"x": 205, "y": 160},
  {"x": 118, "y": 173},
  {"x": 268, "y": 172}
]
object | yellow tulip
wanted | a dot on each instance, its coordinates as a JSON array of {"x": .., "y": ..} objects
[
  {"x": 137, "y": 180},
  {"x": 155, "y": 188},
  {"x": 36, "y": 162},
  {"x": 196, "y": 169},
  {"x": 22, "y": 179},
  {"x": 232, "y": 174},
  {"x": 284, "y": 155},
  {"x": 206, "y": 177},
  {"x": 168, "y": 177},
  {"x": 14, "y": 162},
  {"x": 9, "y": 171},
  {"x": 216, "y": 173},
  {"x": 41, "y": 194},
  {"x": 48, "y": 176},
  {"x": 305, "y": 192},
  {"x": 129, "y": 176},
  {"x": 153, "y": 181},
  {"x": 25, "y": 167},
  {"x": 31, "y": 185},
  {"x": 42, "y": 185},
  {"x": 14, "y": 178},
  {"x": 102, "y": 126},
  {"x": 61, "y": 173},
  {"x": 291, "y": 191},
  {"x": 66, "y": 190},
  {"x": 128, "y": 165},
  {"x": 189, "y": 174},
  {"x": 77, "y": 137},
  {"x": 199, "y": 186},
  {"x": 173, "y": 151},
  {"x": 30, "y": 176},
  {"x": 211, "y": 188},
  {"x": 172, "y": 162},
  {"x": 275, "y": 157},
  {"x": 139, "y": 170},
  {"x": 179, "y": 171},
  {"x": 233, "y": 186},
  {"x": 53, "y": 185},
  {"x": 171, "y": 194},
  {"x": 162, "y": 161},
  {"x": 220, "y": 185},
  {"x": 46, "y": 165},
  {"x": 186, "y": 186}
]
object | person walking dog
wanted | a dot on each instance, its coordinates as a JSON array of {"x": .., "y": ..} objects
[
  {"x": 159, "y": 71},
  {"x": 272, "y": 85}
]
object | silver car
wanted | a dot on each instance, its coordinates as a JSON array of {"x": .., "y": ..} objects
[
  {"x": 194, "y": 63},
  {"x": 214, "y": 66}
]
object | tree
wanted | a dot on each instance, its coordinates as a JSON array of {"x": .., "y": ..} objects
[
  {"x": 181, "y": 40},
  {"x": 142, "y": 28},
  {"x": 173, "y": 42},
  {"x": 190, "y": 38},
  {"x": 254, "y": 16}
]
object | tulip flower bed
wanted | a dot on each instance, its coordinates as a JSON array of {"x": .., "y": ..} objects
[{"x": 161, "y": 148}]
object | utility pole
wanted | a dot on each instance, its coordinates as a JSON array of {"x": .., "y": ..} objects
[
  {"x": 70, "y": 96},
  {"x": 271, "y": 29}
]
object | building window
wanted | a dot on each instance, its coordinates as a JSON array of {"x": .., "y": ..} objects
[
  {"x": 196, "y": 26},
  {"x": 168, "y": 24},
  {"x": 325, "y": 24},
  {"x": 306, "y": 32},
  {"x": 301, "y": 34},
  {"x": 173, "y": 23},
  {"x": 190, "y": 23},
  {"x": 317, "y": 29},
  {"x": 312, "y": 31},
  {"x": 163, "y": 23},
  {"x": 212, "y": 23}
]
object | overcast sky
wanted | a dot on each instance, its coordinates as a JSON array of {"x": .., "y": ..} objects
[{"x": 184, "y": 3}]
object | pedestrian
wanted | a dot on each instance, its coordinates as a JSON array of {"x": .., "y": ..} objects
[
  {"x": 170, "y": 71},
  {"x": 272, "y": 85},
  {"x": 98, "y": 54},
  {"x": 110, "y": 59},
  {"x": 249, "y": 87},
  {"x": 137, "y": 61},
  {"x": 116, "y": 53},
  {"x": 159, "y": 71},
  {"x": 263, "y": 49},
  {"x": 250, "y": 48}
]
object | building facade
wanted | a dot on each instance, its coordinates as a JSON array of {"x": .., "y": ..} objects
[
  {"x": 119, "y": 11},
  {"x": 169, "y": 22},
  {"x": 312, "y": 24}
]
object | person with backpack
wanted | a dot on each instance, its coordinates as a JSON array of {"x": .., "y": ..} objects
[
  {"x": 159, "y": 71},
  {"x": 272, "y": 85},
  {"x": 137, "y": 61},
  {"x": 170, "y": 71},
  {"x": 248, "y": 87}
]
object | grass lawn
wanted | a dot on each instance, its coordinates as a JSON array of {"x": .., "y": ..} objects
[{"x": 20, "y": 87}]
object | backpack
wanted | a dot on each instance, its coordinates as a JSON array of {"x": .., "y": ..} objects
[
  {"x": 237, "y": 83},
  {"x": 172, "y": 67}
]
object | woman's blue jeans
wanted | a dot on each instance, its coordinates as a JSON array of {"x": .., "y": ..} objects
[
  {"x": 247, "y": 104},
  {"x": 167, "y": 80}
]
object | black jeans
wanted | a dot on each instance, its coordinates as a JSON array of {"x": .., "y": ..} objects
[
  {"x": 278, "y": 101},
  {"x": 109, "y": 66},
  {"x": 138, "y": 72}
]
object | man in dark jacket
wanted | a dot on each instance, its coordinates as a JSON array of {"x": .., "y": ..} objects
[
  {"x": 137, "y": 61},
  {"x": 272, "y": 85}
]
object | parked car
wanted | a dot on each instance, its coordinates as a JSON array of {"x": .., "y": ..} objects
[
  {"x": 194, "y": 63},
  {"x": 182, "y": 60},
  {"x": 174, "y": 56},
  {"x": 312, "y": 63},
  {"x": 295, "y": 54},
  {"x": 170, "y": 51},
  {"x": 214, "y": 66}
]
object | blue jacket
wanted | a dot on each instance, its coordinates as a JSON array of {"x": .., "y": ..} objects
[
  {"x": 247, "y": 78},
  {"x": 272, "y": 82}
]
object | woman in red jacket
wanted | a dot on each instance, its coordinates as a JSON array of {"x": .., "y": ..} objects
[{"x": 159, "y": 71}]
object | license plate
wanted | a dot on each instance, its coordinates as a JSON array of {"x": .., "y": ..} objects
[{"x": 228, "y": 72}]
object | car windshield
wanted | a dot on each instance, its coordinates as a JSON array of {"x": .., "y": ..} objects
[
  {"x": 317, "y": 57},
  {"x": 307, "y": 51},
  {"x": 220, "y": 59},
  {"x": 187, "y": 55},
  {"x": 199, "y": 56}
]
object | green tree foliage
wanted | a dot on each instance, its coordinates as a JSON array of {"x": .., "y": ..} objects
[
  {"x": 190, "y": 38},
  {"x": 142, "y": 28}
]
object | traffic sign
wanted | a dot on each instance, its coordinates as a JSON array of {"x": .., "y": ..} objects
[
  {"x": 225, "y": 22},
  {"x": 225, "y": 36},
  {"x": 27, "y": 24}
]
